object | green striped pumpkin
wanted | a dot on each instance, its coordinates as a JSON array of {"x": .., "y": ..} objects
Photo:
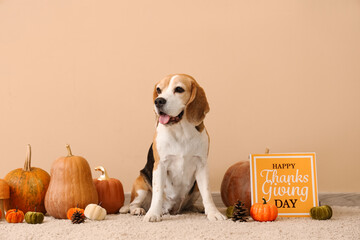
[
  {"x": 321, "y": 213},
  {"x": 34, "y": 217}
]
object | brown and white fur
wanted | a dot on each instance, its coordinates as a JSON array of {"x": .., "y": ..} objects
[{"x": 176, "y": 170}]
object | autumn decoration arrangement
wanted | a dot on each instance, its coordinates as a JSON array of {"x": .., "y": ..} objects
[
  {"x": 236, "y": 196},
  {"x": 70, "y": 192}
]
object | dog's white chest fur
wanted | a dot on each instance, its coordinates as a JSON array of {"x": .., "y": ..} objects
[{"x": 181, "y": 148}]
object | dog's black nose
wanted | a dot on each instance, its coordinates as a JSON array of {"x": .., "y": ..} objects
[{"x": 159, "y": 102}]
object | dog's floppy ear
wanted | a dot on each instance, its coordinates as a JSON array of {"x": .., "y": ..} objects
[
  {"x": 197, "y": 106},
  {"x": 155, "y": 94}
]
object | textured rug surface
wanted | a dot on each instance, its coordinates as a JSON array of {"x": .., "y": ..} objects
[{"x": 345, "y": 224}]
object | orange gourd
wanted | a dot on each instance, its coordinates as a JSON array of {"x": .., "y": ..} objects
[
  {"x": 110, "y": 191},
  {"x": 236, "y": 185},
  {"x": 28, "y": 186},
  {"x": 4, "y": 197},
  {"x": 71, "y": 211},
  {"x": 14, "y": 216},
  {"x": 71, "y": 184},
  {"x": 263, "y": 212}
]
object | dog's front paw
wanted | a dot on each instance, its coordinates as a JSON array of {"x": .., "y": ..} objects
[
  {"x": 215, "y": 215},
  {"x": 152, "y": 217},
  {"x": 125, "y": 209},
  {"x": 137, "y": 211}
]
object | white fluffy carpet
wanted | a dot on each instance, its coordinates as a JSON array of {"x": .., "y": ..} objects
[{"x": 345, "y": 224}]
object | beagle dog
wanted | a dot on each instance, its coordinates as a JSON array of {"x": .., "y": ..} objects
[{"x": 176, "y": 170}]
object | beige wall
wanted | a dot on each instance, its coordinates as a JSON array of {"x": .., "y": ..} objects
[{"x": 283, "y": 74}]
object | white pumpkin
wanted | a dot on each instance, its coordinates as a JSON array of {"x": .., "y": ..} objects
[{"x": 95, "y": 212}]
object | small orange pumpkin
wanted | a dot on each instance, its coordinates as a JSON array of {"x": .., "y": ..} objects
[
  {"x": 71, "y": 211},
  {"x": 263, "y": 212},
  {"x": 110, "y": 191},
  {"x": 14, "y": 216}
]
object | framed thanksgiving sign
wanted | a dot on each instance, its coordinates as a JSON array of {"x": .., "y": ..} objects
[{"x": 286, "y": 180}]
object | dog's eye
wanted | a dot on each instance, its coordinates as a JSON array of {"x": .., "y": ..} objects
[
  {"x": 179, "y": 90},
  {"x": 158, "y": 90}
]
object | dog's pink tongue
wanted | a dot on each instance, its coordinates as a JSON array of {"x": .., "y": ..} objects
[{"x": 164, "y": 119}]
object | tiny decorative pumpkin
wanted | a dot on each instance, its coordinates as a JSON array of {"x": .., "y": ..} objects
[
  {"x": 110, "y": 191},
  {"x": 263, "y": 212},
  {"x": 230, "y": 212},
  {"x": 321, "y": 213},
  {"x": 235, "y": 185},
  {"x": 71, "y": 211},
  {"x": 4, "y": 197},
  {"x": 28, "y": 186},
  {"x": 34, "y": 217},
  {"x": 95, "y": 212},
  {"x": 14, "y": 216},
  {"x": 71, "y": 183}
]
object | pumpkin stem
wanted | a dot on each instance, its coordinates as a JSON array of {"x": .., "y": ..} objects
[
  {"x": 264, "y": 200},
  {"x": 104, "y": 175},
  {"x": 27, "y": 165},
  {"x": 35, "y": 209},
  {"x": 267, "y": 150},
  {"x": 69, "y": 150},
  {"x": 100, "y": 204}
]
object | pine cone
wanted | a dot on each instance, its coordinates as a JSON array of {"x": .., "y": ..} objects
[
  {"x": 240, "y": 212},
  {"x": 77, "y": 217}
]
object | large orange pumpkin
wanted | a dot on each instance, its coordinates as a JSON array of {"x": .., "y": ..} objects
[
  {"x": 110, "y": 191},
  {"x": 28, "y": 187},
  {"x": 236, "y": 185},
  {"x": 71, "y": 184}
]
